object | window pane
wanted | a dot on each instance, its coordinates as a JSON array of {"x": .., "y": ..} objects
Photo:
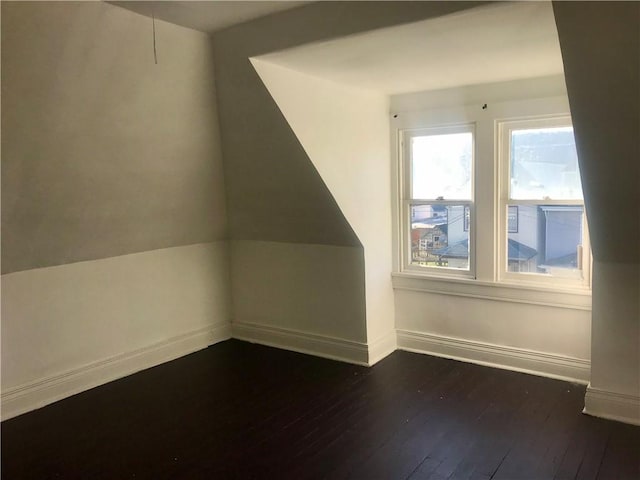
[
  {"x": 544, "y": 164},
  {"x": 438, "y": 236},
  {"x": 441, "y": 166},
  {"x": 544, "y": 239}
]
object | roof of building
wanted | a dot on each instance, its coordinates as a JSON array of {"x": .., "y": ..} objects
[
  {"x": 457, "y": 250},
  {"x": 519, "y": 251},
  {"x": 516, "y": 250}
]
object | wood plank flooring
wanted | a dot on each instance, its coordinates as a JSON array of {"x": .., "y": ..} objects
[{"x": 243, "y": 411}]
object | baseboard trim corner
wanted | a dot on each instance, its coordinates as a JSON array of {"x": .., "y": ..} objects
[
  {"x": 382, "y": 347},
  {"x": 302, "y": 342},
  {"x": 612, "y": 406},
  {"x": 509, "y": 358},
  {"x": 37, "y": 394}
]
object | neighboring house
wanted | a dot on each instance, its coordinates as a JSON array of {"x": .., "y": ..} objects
[
  {"x": 455, "y": 255},
  {"x": 541, "y": 238},
  {"x": 554, "y": 233},
  {"x": 435, "y": 227},
  {"x": 562, "y": 232},
  {"x": 425, "y": 239},
  {"x": 521, "y": 257}
]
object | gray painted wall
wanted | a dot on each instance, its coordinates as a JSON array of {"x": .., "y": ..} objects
[
  {"x": 104, "y": 153},
  {"x": 600, "y": 43}
]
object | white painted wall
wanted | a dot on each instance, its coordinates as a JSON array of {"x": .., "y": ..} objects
[
  {"x": 62, "y": 321},
  {"x": 344, "y": 131},
  {"x": 561, "y": 332},
  {"x": 615, "y": 350},
  {"x": 497, "y": 322},
  {"x": 538, "y": 87}
]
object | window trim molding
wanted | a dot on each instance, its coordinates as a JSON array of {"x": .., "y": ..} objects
[
  {"x": 404, "y": 195},
  {"x": 541, "y": 295},
  {"x": 485, "y": 159},
  {"x": 502, "y": 129}
]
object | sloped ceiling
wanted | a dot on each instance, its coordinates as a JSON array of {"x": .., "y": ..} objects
[
  {"x": 492, "y": 43},
  {"x": 206, "y": 16}
]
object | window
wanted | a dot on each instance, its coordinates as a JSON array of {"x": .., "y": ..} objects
[
  {"x": 438, "y": 198},
  {"x": 492, "y": 197},
  {"x": 542, "y": 224}
]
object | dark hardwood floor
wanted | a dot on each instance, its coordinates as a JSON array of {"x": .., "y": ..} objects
[{"x": 237, "y": 410}]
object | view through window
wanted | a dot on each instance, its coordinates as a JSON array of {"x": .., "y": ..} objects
[
  {"x": 545, "y": 225},
  {"x": 529, "y": 217},
  {"x": 441, "y": 170}
]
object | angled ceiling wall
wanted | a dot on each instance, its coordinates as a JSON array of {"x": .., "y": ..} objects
[
  {"x": 345, "y": 133},
  {"x": 600, "y": 43},
  {"x": 273, "y": 190}
]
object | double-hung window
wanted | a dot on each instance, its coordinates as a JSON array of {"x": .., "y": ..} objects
[
  {"x": 543, "y": 233},
  {"x": 492, "y": 197},
  {"x": 438, "y": 199}
]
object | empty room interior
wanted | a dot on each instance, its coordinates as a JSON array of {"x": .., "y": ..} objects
[{"x": 320, "y": 239}]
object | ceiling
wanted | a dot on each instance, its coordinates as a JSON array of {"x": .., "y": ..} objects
[
  {"x": 490, "y": 43},
  {"x": 206, "y": 16},
  {"x": 494, "y": 43}
]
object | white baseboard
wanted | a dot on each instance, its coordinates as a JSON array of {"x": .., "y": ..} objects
[
  {"x": 382, "y": 347},
  {"x": 509, "y": 358},
  {"x": 27, "y": 397},
  {"x": 612, "y": 406},
  {"x": 302, "y": 342}
]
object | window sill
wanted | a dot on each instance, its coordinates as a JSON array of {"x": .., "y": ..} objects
[{"x": 572, "y": 298}]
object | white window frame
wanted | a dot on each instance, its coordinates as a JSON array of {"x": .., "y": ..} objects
[
  {"x": 503, "y": 129},
  {"x": 486, "y": 280},
  {"x": 405, "y": 188}
]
